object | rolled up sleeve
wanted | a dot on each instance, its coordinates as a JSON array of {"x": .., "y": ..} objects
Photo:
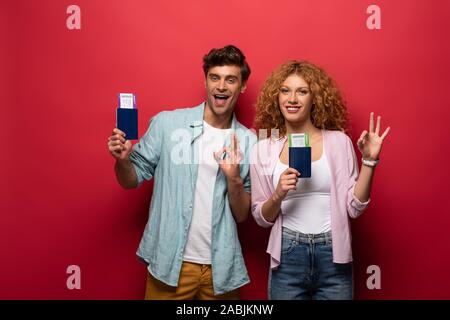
[
  {"x": 249, "y": 141},
  {"x": 354, "y": 206},
  {"x": 146, "y": 153},
  {"x": 260, "y": 190}
]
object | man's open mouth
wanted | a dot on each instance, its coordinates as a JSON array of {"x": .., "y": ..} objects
[{"x": 220, "y": 99}]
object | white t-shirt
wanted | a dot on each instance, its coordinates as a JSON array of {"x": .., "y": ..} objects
[
  {"x": 308, "y": 209},
  {"x": 198, "y": 246}
]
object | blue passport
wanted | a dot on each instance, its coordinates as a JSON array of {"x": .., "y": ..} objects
[
  {"x": 300, "y": 159},
  {"x": 127, "y": 121}
]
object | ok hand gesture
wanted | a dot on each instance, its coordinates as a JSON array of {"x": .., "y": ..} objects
[
  {"x": 370, "y": 142},
  {"x": 233, "y": 156}
]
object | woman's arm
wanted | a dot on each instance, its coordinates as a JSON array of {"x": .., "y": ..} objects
[
  {"x": 288, "y": 181},
  {"x": 369, "y": 144},
  {"x": 364, "y": 183}
]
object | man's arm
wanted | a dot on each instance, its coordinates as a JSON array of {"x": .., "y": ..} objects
[
  {"x": 125, "y": 174},
  {"x": 239, "y": 199},
  {"x": 120, "y": 149},
  {"x": 132, "y": 168}
]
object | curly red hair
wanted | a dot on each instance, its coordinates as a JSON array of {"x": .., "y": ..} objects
[{"x": 328, "y": 111}]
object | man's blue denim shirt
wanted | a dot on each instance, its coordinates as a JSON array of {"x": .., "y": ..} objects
[{"x": 169, "y": 152}]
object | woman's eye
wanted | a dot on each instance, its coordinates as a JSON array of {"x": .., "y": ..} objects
[
  {"x": 284, "y": 90},
  {"x": 304, "y": 92}
]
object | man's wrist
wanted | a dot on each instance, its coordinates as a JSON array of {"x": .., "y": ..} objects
[
  {"x": 123, "y": 162},
  {"x": 236, "y": 181}
]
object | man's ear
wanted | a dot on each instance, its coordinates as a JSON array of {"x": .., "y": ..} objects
[{"x": 244, "y": 87}]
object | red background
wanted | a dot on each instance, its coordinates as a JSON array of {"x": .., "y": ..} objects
[{"x": 60, "y": 202}]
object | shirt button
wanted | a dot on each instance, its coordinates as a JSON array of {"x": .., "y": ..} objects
[{"x": 190, "y": 206}]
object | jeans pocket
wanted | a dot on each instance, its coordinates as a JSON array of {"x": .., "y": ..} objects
[{"x": 287, "y": 245}]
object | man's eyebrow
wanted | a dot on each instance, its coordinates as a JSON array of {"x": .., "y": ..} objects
[{"x": 227, "y": 76}]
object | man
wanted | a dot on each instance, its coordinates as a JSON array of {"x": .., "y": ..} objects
[{"x": 199, "y": 158}]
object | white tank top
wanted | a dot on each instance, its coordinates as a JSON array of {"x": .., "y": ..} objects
[{"x": 307, "y": 209}]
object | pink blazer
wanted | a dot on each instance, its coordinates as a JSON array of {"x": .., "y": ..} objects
[{"x": 344, "y": 173}]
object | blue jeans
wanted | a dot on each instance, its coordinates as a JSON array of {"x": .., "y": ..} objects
[{"x": 307, "y": 270}]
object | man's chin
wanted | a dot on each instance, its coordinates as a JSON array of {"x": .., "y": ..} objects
[{"x": 221, "y": 110}]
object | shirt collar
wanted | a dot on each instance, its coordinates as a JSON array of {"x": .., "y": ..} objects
[{"x": 197, "y": 121}]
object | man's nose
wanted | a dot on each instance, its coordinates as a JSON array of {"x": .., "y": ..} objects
[{"x": 222, "y": 85}]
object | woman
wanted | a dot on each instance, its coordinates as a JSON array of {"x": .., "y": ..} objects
[{"x": 310, "y": 241}]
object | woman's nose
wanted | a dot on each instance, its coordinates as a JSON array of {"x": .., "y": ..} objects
[{"x": 293, "y": 99}]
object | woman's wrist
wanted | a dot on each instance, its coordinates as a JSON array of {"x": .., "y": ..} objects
[
  {"x": 370, "y": 162},
  {"x": 276, "y": 199}
]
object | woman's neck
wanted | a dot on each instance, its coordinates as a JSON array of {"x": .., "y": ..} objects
[{"x": 302, "y": 127}]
